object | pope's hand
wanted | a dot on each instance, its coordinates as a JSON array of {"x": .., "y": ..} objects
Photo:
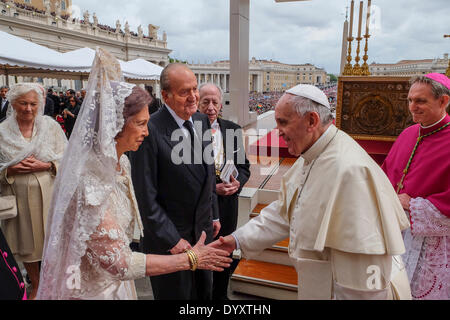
[
  {"x": 225, "y": 243},
  {"x": 210, "y": 258}
]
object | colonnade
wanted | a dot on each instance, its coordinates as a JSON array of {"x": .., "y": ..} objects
[{"x": 222, "y": 80}]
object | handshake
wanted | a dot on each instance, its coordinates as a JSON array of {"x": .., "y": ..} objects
[{"x": 214, "y": 256}]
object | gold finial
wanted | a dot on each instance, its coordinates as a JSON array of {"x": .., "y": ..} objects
[
  {"x": 357, "y": 71},
  {"x": 348, "y": 69},
  {"x": 365, "y": 66}
]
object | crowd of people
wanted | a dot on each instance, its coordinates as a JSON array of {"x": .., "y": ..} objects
[
  {"x": 356, "y": 230},
  {"x": 266, "y": 101},
  {"x": 29, "y": 7},
  {"x": 263, "y": 102},
  {"x": 64, "y": 107}
]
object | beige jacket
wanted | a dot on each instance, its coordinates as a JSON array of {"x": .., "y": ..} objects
[{"x": 344, "y": 222}]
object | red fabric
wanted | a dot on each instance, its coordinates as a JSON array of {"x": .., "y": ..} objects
[
  {"x": 271, "y": 145},
  {"x": 429, "y": 174},
  {"x": 378, "y": 150},
  {"x": 60, "y": 120}
]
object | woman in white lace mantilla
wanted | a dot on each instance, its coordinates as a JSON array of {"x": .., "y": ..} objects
[
  {"x": 94, "y": 211},
  {"x": 31, "y": 146}
]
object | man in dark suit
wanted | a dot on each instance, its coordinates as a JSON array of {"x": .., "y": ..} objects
[
  {"x": 228, "y": 145},
  {"x": 4, "y": 103},
  {"x": 176, "y": 197},
  {"x": 49, "y": 108},
  {"x": 156, "y": 104},
  {"x": 56, "y": 102}
]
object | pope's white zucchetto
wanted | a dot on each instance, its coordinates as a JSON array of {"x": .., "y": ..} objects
[{"x": 311, "y": 92}]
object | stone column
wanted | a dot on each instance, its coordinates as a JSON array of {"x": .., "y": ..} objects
[
  {"x": 222, "y": 82},
  {"x": 260, "y": 83},
  {"x": 239, "y": 55}
]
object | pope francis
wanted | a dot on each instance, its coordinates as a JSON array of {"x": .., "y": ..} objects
[{"x": 339, "y": 210}]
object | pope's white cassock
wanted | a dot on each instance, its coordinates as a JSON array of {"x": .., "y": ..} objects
[{"x": 344, "y": 222}]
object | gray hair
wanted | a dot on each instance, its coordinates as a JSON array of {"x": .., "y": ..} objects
[
  {"x": 164, "y": 78},
  {"x": 215, "y": 85},
  {"x": 20, "y": 89},
  {"x": 303, "y": 105},
  {"x": 4, "y": 87},
  {"x": 437, "y": 88}
]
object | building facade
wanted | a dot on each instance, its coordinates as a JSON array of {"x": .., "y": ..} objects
[
  {"x": 264, "y": 75},
  {"x": 50, "y": 23},
  {"x": 409, "y": 68}
]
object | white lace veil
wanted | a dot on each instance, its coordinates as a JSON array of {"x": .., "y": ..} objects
[
  {"x": 13, "y": 147},
  {"x": 85, "y": 179}
]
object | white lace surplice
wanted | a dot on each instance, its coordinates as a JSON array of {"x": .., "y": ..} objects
[
  {"x": 427, "y": 257},
  {"x": 109, "y": 266}
]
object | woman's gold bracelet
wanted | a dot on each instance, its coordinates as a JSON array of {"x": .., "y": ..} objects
[{"x": 193, "y": 259}]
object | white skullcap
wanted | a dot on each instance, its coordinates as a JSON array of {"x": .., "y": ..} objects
[{"x": 311, "y": 92}]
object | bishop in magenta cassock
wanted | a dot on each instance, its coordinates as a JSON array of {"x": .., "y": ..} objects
[{"x": 418, "y": 167}]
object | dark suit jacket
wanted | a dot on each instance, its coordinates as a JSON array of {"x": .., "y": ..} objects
[
  {"x": 175, "y": 201},
  {"x": 3, "y": 111},
  {"x": 234, "y": 150},
  {"x": 49, "y": 107},
  {"x": 155, "y": 105}
]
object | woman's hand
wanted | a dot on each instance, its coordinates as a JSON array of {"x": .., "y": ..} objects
[
  {"x": 210, "y": 258},
  {"x": 68, "y": 113},
  {"x": 29, "y": 165}
]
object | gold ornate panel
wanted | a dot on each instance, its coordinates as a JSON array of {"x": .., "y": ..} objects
[{"x": 373, "y": 108}]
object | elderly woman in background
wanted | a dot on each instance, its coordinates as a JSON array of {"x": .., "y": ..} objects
[{"x": 31, "y": 146}]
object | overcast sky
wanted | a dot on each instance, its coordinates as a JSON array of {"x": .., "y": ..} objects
[{"x": 292, "y": 32}]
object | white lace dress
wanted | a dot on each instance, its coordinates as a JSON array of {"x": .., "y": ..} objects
[
  {"x": 109, "y": 267},
  {"x": 427, "y": 256}
]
